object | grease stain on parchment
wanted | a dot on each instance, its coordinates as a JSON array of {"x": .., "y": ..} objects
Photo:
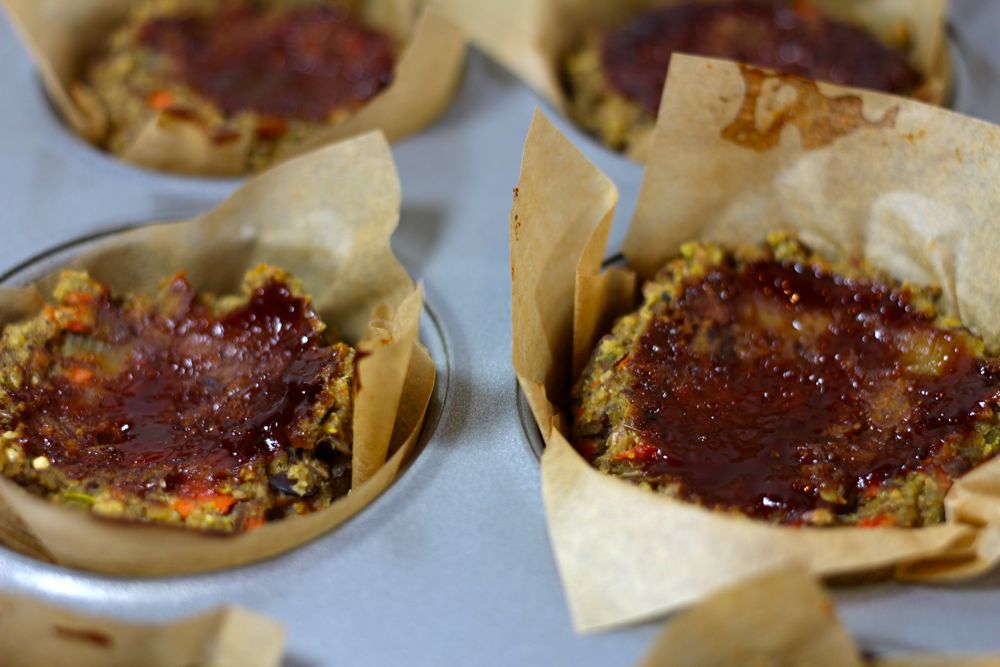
[{"x": 772, "y": 101}]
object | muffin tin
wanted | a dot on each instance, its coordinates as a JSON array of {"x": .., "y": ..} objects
[{"x": 452, "y": 564}]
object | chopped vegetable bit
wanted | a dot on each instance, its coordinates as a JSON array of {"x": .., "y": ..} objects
[
  {"x": 639, "y": 452},
  {"x": 161, "y": 99}
]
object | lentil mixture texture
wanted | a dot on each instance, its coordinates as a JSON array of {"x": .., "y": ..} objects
[
  {"x": 615, "y": 78},
  {"x": 767, "y": 382},
  {"x": 266, "y": 72},
  {"x": 216, "y": 413}
]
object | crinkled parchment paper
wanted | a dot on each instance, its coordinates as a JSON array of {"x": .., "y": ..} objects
[
  {"x": 531, "y": 37},
  {"x": 326, "y": 217},
  {"x": 34, "y": 633},
  {"x": 937, "y": 661},
  {"x": 61, "y": 36},
  {"x": 737, "y": 152},
  {"x": 779, "y": 619}
]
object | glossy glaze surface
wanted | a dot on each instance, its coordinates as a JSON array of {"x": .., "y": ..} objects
[
  {"x": 777, "y": 388},
  {"x": 781, "y": 35},
  {"x": 304, "y": 63}
]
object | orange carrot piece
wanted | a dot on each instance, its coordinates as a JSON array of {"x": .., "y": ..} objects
[
  {"x": 876, "y": 522},
  {"x": 184, "y": 507},
  {"x": 78, "y": 298},
  {"x": 253, "y": 523},
  {"x": 80, "y": 375},
  {"x": 271, "y": 128},
  {"x": 223, "y": 502},
  {"x": 640, "y": 452},
  {"x": 160, "y": 99}
]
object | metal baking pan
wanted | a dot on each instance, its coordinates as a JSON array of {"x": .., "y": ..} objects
[{"x": 452, "y": 564}]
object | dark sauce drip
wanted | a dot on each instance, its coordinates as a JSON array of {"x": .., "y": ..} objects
[
  {"x": 304, "y": 63},
  {"x": 772, "y": 35},
  {"x": 180, "y": 397},
  {"x": 769, "y": 384}
]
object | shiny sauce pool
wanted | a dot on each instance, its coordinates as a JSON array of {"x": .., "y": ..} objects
[
  {"x": 773, "y": 383},
  {"x": 780, "y": 35},
  {"x": 300, "y": 64},
  {"x": 171, "y": 396}
]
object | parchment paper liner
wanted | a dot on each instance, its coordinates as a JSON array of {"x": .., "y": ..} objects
[
  {"x": 782, "y": 619},
  {"x": 327, "y": 218},
  {"x": 60, "y": 36},
  {"x": 907, "y": 186},
  {"x": 34, "y": 633},
  {"x": 938, "y": 661},
  {"x": 531, "y": 37}
]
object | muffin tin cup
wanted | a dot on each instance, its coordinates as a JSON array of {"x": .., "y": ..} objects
[
  {"x": 334, "y": 237},
  {"x": 875, "y": 177}
]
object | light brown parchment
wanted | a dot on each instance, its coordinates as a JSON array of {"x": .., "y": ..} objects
[
  {"x": 531, "y": 37},
  {"x": 327, "y": 218},
  {"x": 938, "y": 661},
  {"x": 34, "y": 633},
  {"x": 909, "y": 187},
  {"x": 782, "y": 618},
  {"x": 61, "y": 36}
]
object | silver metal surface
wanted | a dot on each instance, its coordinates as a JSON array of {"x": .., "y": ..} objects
[{"x": 452, "y": 564}]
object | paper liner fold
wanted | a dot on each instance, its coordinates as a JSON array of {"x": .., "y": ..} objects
[
  {"x": 915, "y": 197},
  {"x": 60, "y": 37},
  {"x": 938, "y": 661},
  {"x": 327, "y": 218},
  {"x": 34, "y": 633},
  {"x": 627, "y": 555},
  {"x": 531, "y": 37},
  {"x": 781, "y": 618}
]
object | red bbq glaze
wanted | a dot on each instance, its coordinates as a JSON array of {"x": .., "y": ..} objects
[
  {"x": 769, "y": 383},
  {"x": 175, "y": 388},
  {"x": 304, "y": 63},
  {"x": 773, "y": 35}
]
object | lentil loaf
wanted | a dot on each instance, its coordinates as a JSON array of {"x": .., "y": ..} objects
[
  {"x": 615, "y": 77},
  {"x": 266, "y": 72},
  {"x": 768, "y": 382},
  {"x": 215, "y": 413}
]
